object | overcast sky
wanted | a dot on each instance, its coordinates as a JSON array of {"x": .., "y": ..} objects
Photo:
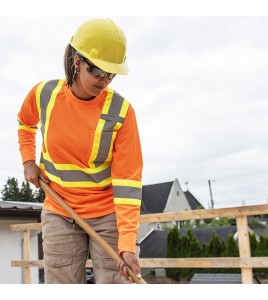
[{"x": 198, "y": 86}]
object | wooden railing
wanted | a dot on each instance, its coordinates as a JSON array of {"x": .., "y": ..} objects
[{"x": 245, "y": 261}]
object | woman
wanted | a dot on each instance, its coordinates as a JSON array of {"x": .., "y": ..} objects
[{"x": 91, "y": 156}]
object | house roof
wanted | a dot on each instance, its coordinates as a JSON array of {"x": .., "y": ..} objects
[
  {"x": 154, "y": 245},
  {"x": 154, "y": 197},
  {"x": 261, "y": 231},
  {"x": 20, "y": 210},
  {"x": 193, "y": 202},
  {"x": 217, "y": 278}
]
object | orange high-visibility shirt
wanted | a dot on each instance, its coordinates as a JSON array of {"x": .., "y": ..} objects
[{"x": 70, "y": 137}]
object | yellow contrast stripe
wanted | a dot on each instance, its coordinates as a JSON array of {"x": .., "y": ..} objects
[
  {"x": 96, "y": 143},
  {"x": 124, "y": 109},
  {"x": 38, "y": 95},
  {"x": 128, "y": 201},
  {"x": 108, "y": 101},
  {"x": 117, "y": 126},
  {"x": 127, "y": 182},
  {"x": 27, "y": 128},
  {"x": 109, "y": 158}
]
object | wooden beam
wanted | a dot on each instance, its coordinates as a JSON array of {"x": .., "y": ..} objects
[
  {"x": 202, "y": 214},
  {"x": 211, "y": 262},
  {"x": 27, "y": 263},
  {"x": 26, "y": 226},
  {"x": 26, "y": 256},
  {"x": 244, "y": 247}
]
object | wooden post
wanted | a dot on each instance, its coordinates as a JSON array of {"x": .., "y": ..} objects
[
  {"x": 244, "y": 247},
  {"x": 26, "y": 255}
]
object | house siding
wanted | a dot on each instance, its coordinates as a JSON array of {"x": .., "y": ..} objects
[{"x": 176, "y": 200}]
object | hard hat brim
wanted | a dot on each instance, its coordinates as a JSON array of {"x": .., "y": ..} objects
[
  {"x": 105, "y": 65},
  {"x": 109, "y": 67}
]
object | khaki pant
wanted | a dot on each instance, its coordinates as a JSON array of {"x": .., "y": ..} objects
[{"x": 66, "y": 247}]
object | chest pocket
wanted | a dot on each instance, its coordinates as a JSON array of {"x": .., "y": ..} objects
[{"x": 112, "y": 118}]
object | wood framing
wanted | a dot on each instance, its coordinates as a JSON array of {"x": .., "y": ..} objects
[{"x": 245, "y": 261}]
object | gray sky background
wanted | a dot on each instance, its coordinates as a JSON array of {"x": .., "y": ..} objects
[{"x": 198, "y": 86}]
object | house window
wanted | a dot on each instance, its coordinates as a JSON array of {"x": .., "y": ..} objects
[
  {"x": 178, "y": 193},
  {"x": 158, "y": 226}
]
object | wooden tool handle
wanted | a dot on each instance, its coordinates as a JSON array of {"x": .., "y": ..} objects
[{"x": 88, "y": 229}]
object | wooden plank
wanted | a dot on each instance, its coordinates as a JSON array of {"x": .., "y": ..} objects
[
  {"x": 26, "y": 256},
  {"x": 27, "y": 263},
  {"x": 212, "y": 262},
  {"x": 244, "y": 247},
  {"x": 202, "y": 214},
  {"x": 26, "y": 226}
]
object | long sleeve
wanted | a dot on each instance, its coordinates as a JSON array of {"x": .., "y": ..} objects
[
  {"x": 127, "y": 182},
  {"x": 28, "y": 119}
]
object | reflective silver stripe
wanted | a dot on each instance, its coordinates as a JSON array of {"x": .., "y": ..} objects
[
  {"x": 111, "y": 120},
  {"x": 116, "y": 105},
  {"x": 76, "y": 175},
  {"x": 105, "y": 143},
  {"x": 44, "y": 100},
  {"x": 127, "y": 192}
]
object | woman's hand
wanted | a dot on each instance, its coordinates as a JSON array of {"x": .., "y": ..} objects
[
  {"x": 32, "y": 173},
  {"x": 132, "y": 261}
]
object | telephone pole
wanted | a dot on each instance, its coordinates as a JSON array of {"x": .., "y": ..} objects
[{"x": 211, "y": 199}]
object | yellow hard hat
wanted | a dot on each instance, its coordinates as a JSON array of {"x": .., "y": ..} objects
[{"x": 103, "y": 43}]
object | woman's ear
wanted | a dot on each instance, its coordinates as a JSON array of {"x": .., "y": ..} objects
[{"x": 76, "y": 60}]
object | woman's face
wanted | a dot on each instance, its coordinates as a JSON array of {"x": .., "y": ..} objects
[{"x": 85, "y": 85}]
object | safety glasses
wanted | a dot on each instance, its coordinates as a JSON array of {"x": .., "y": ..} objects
[{"x": 95, "y": 71}]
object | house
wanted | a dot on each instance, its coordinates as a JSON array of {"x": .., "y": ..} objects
[
  {"x": 11, "y": 246},
  {"x": 164, "y": 197}
]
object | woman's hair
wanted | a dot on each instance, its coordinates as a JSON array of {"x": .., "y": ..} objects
[{"x": 68, "y": 64}]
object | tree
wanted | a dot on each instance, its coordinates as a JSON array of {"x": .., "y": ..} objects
[
  {"x": 231, "y": 251},
  {"x": 216, "y": 222},
  {"x": 262, "y": 251},
  {"x": 231, "y": 247},
  {"x": 11, "y": 191},
  {"x": 26, "y": 193},
  {"x": 253, "y": 243},
  {"x": 215, "y": 248},
  {"x": 173, "y": 248},
  {"x": 262, "y": 247},
  {"x": 39, "y": 196},
  {"x": 193, "y": 250}
]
